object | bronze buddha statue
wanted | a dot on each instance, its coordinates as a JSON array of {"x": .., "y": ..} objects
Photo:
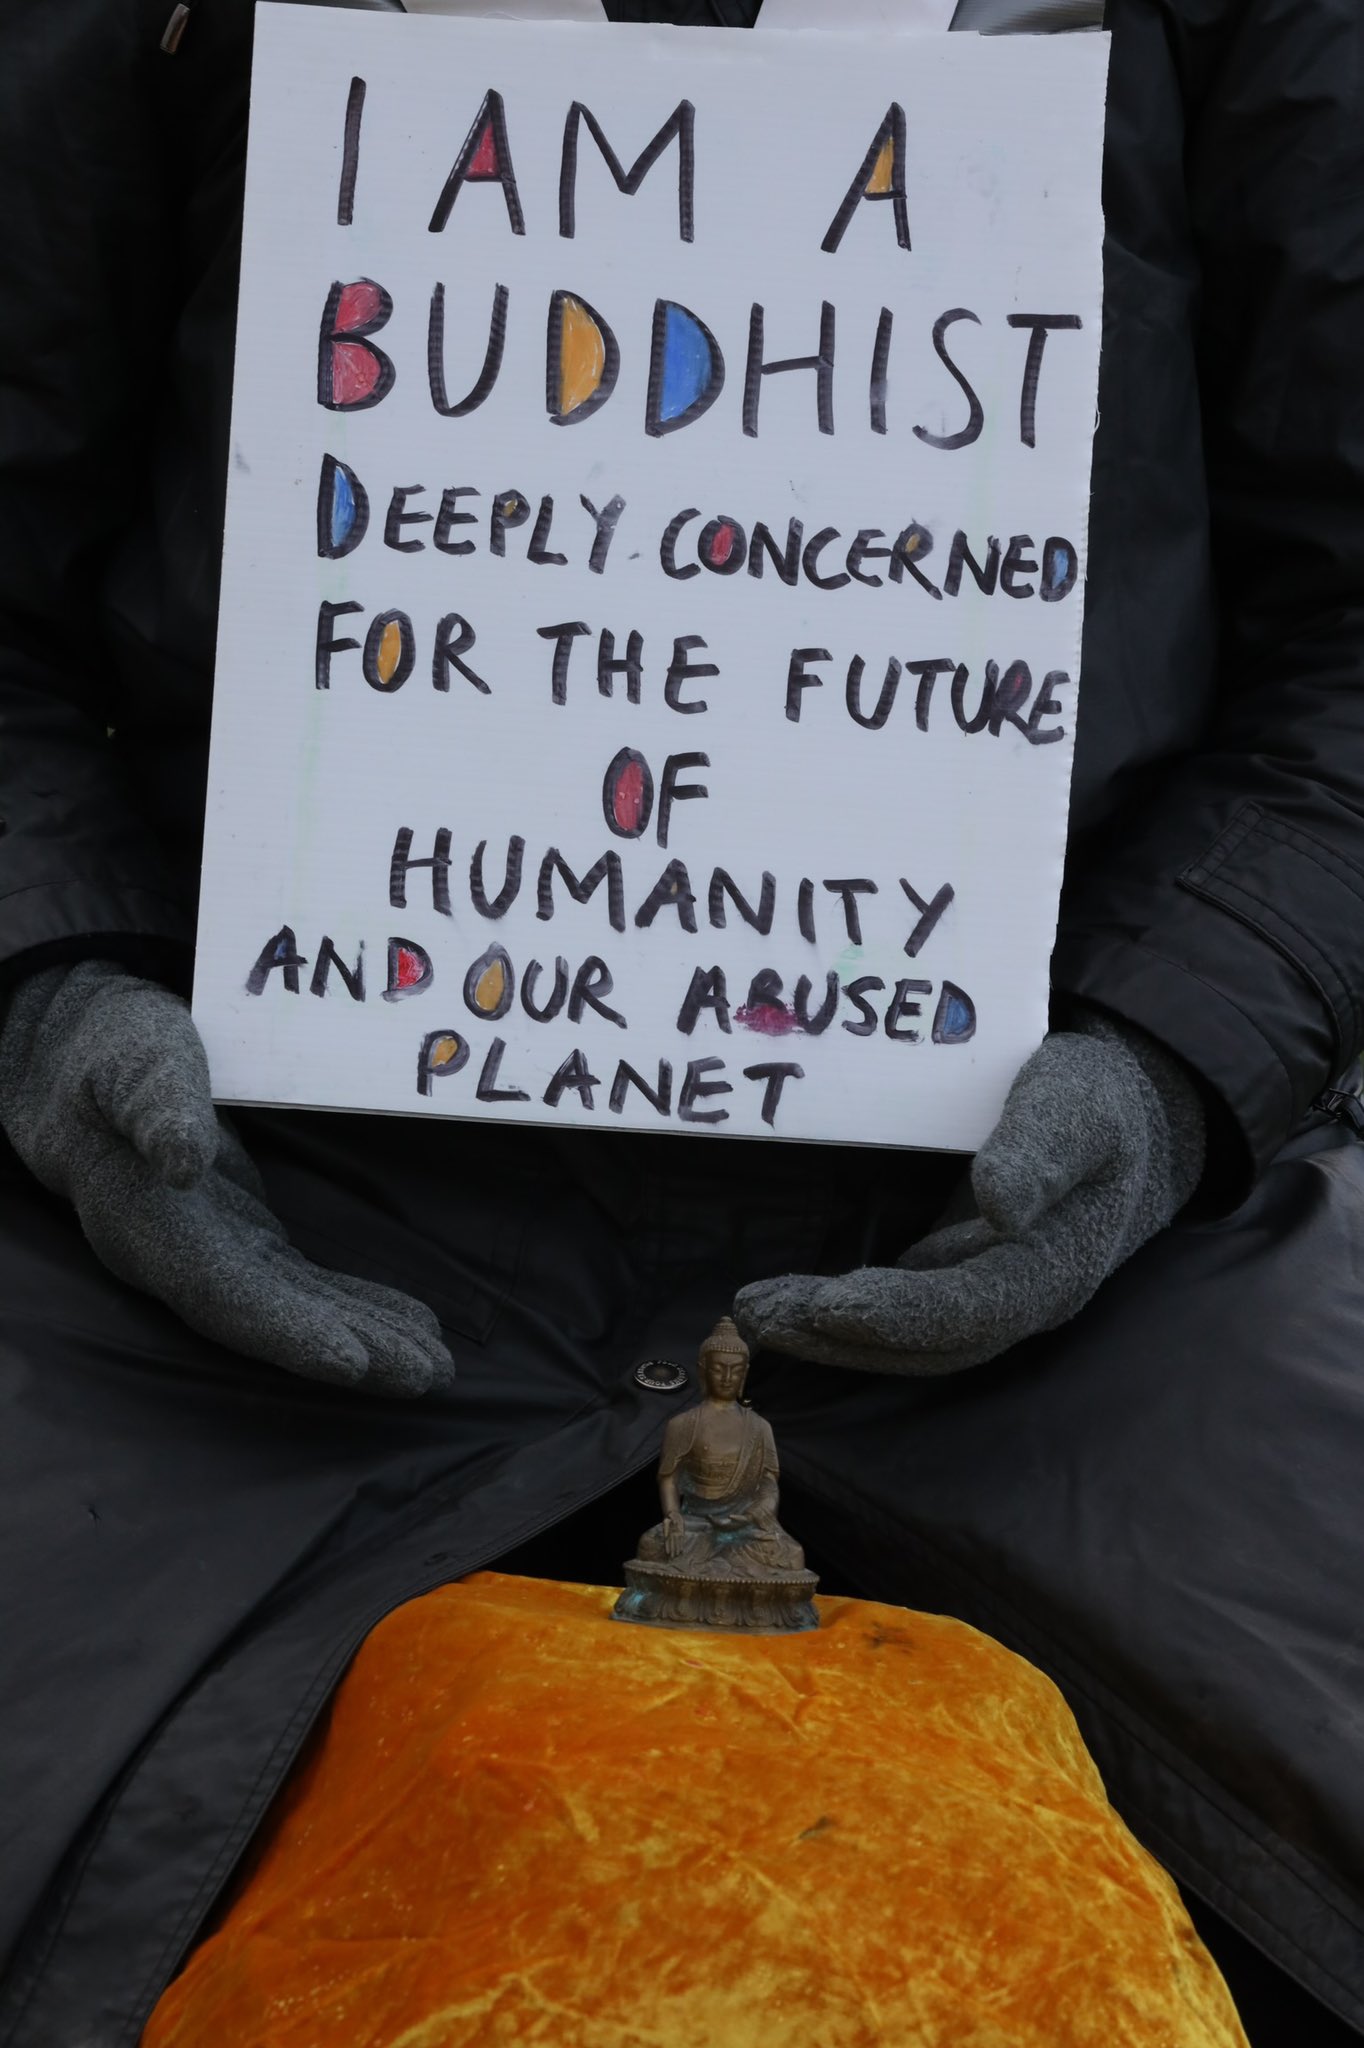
[{"x": 719, "y": 1558}]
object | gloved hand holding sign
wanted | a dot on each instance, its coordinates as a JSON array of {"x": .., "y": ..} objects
[
  {"x": 1100, "y": 1143},
  {"x": 104, "y": 1094}
]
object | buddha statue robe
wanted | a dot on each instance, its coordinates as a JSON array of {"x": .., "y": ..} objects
[{"x": 727, "y": 1493}]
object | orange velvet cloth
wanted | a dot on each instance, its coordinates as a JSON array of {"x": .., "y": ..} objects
[{"x": 525, "y": 1823}]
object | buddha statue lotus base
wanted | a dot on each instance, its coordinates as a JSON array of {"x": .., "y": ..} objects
[{"x": 664, "y": 1597}]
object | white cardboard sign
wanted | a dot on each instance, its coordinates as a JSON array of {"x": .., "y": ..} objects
[{"x": 650, "y": 629}]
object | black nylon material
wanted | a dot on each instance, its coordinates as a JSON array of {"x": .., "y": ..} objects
[{"x": 1159, "y": 1505}]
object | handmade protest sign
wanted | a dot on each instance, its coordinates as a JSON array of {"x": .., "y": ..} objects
[{"x": 651, "y": 611}]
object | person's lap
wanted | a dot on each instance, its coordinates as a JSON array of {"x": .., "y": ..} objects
[
  {"x": 1154, "y": 1504},
  {"x": 195, "y": 1544}
]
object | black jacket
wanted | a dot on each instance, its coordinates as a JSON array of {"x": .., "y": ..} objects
[
  {"x": 197, "y": 1544},
  {"x": 1216, "y": 874}
]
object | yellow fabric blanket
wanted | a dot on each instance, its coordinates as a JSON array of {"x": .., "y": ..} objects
[{"x": 524, "y": 1823}]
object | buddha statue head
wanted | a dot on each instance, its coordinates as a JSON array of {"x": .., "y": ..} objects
[{"x": 723, "y": 1359}]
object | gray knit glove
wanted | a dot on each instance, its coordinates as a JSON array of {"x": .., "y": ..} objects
[
  {"x": 104, "y": 1095},
  {"x": 1099, "y": 1144}
]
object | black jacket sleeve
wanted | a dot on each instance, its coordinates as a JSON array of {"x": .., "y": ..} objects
[
  {"x": 1226, "y": 915},
  {"x": 85, "y": 258},
  {"x": 121, "y": 169}
]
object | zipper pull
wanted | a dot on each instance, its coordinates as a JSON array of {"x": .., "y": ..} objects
[
  {"x": 1346, "y": 1109},
  {"x": 174, "y": 29}
]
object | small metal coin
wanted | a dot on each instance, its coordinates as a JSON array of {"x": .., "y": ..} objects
[{"x": 660, "y": 1375}]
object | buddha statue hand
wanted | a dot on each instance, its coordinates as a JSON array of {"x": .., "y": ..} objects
[
  {"x": 104, "y": 1095},
  {"x": 1100, "y": 1143}
]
